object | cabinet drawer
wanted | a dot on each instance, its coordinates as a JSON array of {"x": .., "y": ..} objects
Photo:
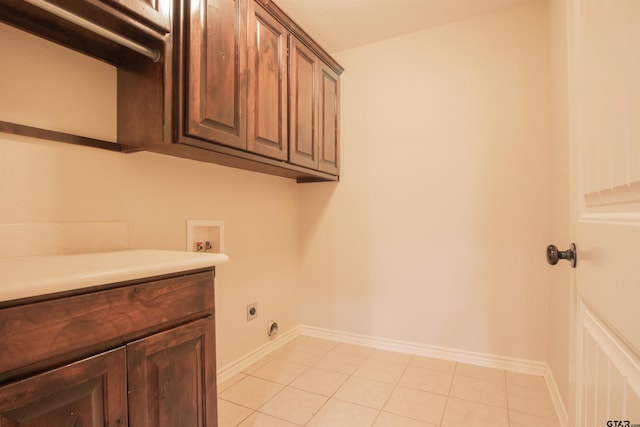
[{"x": 47, "y": 333}]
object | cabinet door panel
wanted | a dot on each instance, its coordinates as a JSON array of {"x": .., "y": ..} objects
[
  {"x": 216, "y": 94},
  {"x": 157, "y": 12},
  {"x": 88, "y": 393},
  {"x": 172, "y": 377},
  {"x": 304, "y": 106},
  {"x": 329, "y": 120},
  {"x": 267, "y": 102}
]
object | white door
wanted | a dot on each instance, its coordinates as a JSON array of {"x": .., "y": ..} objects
[{"x": 604, "y": 108}]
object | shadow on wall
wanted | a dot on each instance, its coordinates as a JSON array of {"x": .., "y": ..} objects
[
  {"x": 433, "y": 235},
  {"x": 333, "y": 273}
]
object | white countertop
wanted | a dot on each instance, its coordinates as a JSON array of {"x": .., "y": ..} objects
[{"x": 39, "y": 275}]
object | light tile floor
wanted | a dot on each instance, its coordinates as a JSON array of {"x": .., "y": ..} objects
[{"x": 316, "y": 382}]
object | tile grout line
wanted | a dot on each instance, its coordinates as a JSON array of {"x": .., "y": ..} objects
[
  {"x": 307, "y": 367},
  {"x": 368, "y": 357},
  {"x": 310, "y": 364},
  {"x": 238, "y": 404},
  {"x": 444, "y": 411},
  {"x": 395, "y": 386},
  {"x": 506, "y": 387},
  {"x": 333, "y": 394},
  {"x": 329, "y": 397}
]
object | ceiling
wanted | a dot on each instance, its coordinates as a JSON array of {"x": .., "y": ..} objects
[{"x": 343, "y": 24}]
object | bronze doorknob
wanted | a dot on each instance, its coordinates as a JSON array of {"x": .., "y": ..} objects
[{"x": 554, "y": 255}]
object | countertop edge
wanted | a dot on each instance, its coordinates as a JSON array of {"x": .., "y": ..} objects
[{"x": 41, "y": 275}]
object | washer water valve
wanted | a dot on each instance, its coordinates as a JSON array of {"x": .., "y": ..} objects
[{"x": 203, "y": 247}]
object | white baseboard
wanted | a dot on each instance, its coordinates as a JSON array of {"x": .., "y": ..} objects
[
  {"x": 474, "y": 358},
  {"x": 481, "y": 359},
  {"x": 252, "y": 357},
  {"x": 556, "y": 399}
]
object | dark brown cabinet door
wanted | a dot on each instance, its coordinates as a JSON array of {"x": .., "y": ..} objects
[
  {"x": 329, "y": 128},
  {"x": 303, "y": 93},
  {"x": 172, "y": 377},
  {"x": 89, "y": 393},
  {"x": 267, "y": 82},
  {"x": 155, "y": 12},
  {"x": 216, "y": 54}
]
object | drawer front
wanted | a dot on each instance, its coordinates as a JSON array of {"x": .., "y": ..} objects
[{"x": 43, "y": 334}]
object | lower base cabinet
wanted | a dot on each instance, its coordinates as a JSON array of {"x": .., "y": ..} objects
[
  {"x": 91, "y": 392},
  {"x": 171, "y": 379},
  {"x": 159, "y": 378}
]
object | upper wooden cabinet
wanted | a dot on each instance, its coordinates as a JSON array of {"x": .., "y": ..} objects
[
  {"x": 329, "y": 126},
  {"x": 236, "y": 74},
  {"x": 249, "y": 84},
  {"x": 267, "y": 82},
  {"x": 238, "y": 83},
  {"x": 155, "y": 12},
  {"x": 303, "y": 91},
  {"x": 314, "y": 91},
  {"x": 215, "y": 101}
]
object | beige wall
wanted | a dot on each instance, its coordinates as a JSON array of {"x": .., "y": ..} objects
[
  {"x": 560, "y": 301},
  {"x": 40, "y": 181},
  {"x": 436, "y": 232}
]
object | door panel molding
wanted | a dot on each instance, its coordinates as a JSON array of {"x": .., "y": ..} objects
[
  {"x": 607, "y": 375},
  {"x": 607, "y": 99}
]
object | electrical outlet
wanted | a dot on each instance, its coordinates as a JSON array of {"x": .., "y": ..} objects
[{"x": 252, "y": 311}]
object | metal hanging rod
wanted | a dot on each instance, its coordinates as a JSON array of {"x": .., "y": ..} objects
[{"x": 153, "y": 54}]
